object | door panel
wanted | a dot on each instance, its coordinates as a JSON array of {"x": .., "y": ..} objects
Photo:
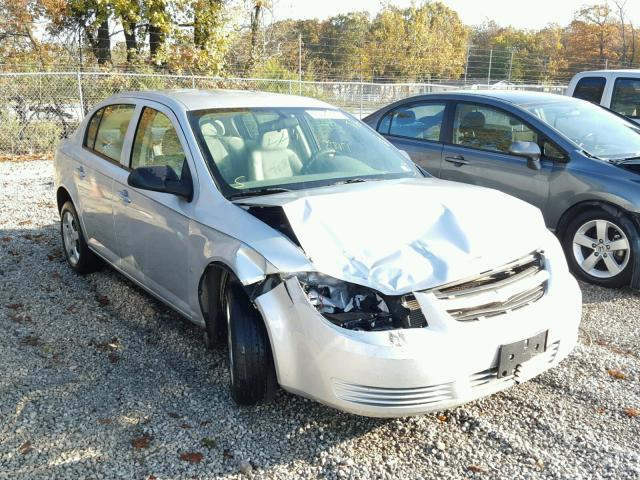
[
  {"x": 152, "y": 228},
  {"x": 479, "y": 154},
  {"x": 426, "y": 154}
]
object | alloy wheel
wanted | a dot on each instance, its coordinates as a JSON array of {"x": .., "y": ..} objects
[
  {"x": 601, "y": 248},
  {"x": 71, "y": 237}
]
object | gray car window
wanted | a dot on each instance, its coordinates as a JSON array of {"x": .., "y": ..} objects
[
  {"x": 157, "y": 143},
  {"x": 486, "y": 128},
  {"x": 422, "y": 121},
  {"x": 112, "y": 130},
  {"x": 625, "y": 98},
  {"x": 590, "y": 89}
]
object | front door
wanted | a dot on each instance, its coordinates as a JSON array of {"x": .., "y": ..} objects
[
  {"x": 152, "y": 228},
  {"x": 479, "y": 154}
]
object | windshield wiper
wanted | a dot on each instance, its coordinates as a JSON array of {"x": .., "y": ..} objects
[
  {"x": 257, "y": 192},
  {"x": 356, "y": 180},
  {"x": 625, "y": 160}
]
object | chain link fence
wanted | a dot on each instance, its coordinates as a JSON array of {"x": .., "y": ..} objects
[{"x": 38, "y": 109}]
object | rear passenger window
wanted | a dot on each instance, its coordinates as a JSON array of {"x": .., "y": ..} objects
[
  {"x": 111, "y": 130},
  {"x": 626, "y": 97},
  {"x": 157, "y": 143},
  {"x": 422, "y": 121},
  {"x": 92, "y": 129},
  {"x": 590, "y": 89},
  {"x": 486, "y": 128}
]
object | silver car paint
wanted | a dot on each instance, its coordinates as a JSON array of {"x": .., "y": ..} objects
[{"x": 308, "y": 351}]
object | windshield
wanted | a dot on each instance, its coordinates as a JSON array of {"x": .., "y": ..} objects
[
  {"x": 266, "y": 149},
  {"x": 599, "y": 132}
]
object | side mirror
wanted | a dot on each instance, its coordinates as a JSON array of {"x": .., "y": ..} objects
[
  {"x": 161, "y": 178},
  {"x": 530, "y": 150}
]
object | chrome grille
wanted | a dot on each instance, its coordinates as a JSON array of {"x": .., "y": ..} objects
[{"x": 492, "y": 293}]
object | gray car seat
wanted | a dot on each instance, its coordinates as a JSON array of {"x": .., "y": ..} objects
[{"x": 273, "y": 158}]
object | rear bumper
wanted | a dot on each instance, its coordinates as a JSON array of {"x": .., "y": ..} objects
[{"x": 412, "y": 371}]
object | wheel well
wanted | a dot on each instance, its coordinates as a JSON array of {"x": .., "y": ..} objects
[
  {"x": 62, "y": 197},
  {"x": 584, "y": 207},
  {"x": 210, "y": 291}
]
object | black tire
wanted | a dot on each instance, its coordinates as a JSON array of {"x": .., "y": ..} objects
[
  {"x": 215, "y": 329},
  {"x": 619, "y": 222},
  {"x": 251, "y": 367},
  {"x": 82, "y": 260}
]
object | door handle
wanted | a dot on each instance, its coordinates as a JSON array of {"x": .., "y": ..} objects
[
  {"x": 124, "y": 196},
  {"x": 457, "y": 160},
  {"x": 81, "y": 172}
]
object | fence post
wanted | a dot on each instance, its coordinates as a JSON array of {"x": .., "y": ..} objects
[
  {"x": 466, "y": 65},
  {"x": 80, "y": 94},
  {"x": 511, "y": 64},
  {"x": 300, "y": 63},
  {"x": 290, "y": 89},
  {"x": 489, "y": 74}
]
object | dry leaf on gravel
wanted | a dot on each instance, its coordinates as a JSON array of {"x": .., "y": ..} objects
[
  {"x": 31, "y": 341},
  {"x": 478, "y": 468},
  {"x": 25, "y": 447},
  {"x": 102, "y": 300},
  {"x": 617, "y": 374},
  {"x": 141, "y": 442},
  {"x": 173, "y": 414},
  {"x": 632, "y": 412},
  {"x": 105, "y": 421},
  {"x": 14, "y": 306},
  {"x": 113, "y": 357},
  {"x": 185, "y": 425},
  {"x": 191, "y": 457}
]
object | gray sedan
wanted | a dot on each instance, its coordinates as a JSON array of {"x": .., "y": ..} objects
[{"x": 577, "y": 162}]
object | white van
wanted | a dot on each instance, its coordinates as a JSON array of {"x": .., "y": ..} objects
[{"x": 618, "y": 90}]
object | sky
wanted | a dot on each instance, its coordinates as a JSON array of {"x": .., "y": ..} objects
[{"x": 518, "y": 13}]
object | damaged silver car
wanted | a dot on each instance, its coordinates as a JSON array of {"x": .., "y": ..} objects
[{"x": 330, "y": 264}]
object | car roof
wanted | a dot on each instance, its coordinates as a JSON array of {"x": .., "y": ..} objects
[
  {"x": 516, "y": 97},
  {"x": 194, "y": 99},
  {"x": 624, "y": 71}
]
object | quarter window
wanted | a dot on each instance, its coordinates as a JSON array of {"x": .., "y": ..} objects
[
  {"x": 92, "y": 129},
  {"x": 422, "y": 121},
  {"x": 111, "y": 130},
  {"x": 626, "y": 97},
  {"x": 486, "y": 128},
  {"x": 590, "y": 89},
  {"x": 157, "y": 143}
]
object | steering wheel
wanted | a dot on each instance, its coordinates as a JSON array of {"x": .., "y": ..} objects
[{"x": 315, "y": 157}]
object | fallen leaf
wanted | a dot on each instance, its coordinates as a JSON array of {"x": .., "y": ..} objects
[
  {"x": 632, "y": 412},
  {"x": 21, "y": 318},
  {"x": 185, "y": 425},
  {"x": 105, "y": 421},
  {"x": 141, "y": 442},
  {"x": 51, "y": 258},
  {"x": 617, "y": 374},
  {"x": 478, "y": 468},
  {"x": 227, "y": 454},
  {"x": 71, "y": 308},
  {"x": 108, "y": 345},
  {"x": 6, "y": 239},
  {"x": 13, "y": 253},
  {"x": 208, "y": 443},
  {"x": 103, "y": 300},
  {"x": 25, "y": 447},
  {"x": 14, "y": 306},
  {"x": 442, "y": 417},
  {"x": 56, "y": 275},
  {"x": 173, "y": 414},
  {"x": 152, "y": 477},
  {"x": 113, "y": 357},
  {"x": 31, "y": 341},
  {"x": 191, "y": 457},
  {"x": 24, "y": 222}
]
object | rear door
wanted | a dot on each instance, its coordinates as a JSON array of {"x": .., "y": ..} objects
[
  {"x": 417, "y": 128},
  {"x": 102, "y": 151},
  {"x": 479, "y": 153},
  {"x": 152, "y": 228}
]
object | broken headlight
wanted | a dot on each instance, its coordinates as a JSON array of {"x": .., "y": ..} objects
[{"x": 353, "y": 306}]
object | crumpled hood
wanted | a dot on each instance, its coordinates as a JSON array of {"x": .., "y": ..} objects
[{"x": 412, "y": 234}]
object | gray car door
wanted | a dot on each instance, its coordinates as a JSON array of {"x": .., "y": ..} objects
[
  {"x": 152, "y": 228},
  {"x": 101, "y": 154},
  {"x": 416, "y": 128},
  {"x": 479, "y": 153}
]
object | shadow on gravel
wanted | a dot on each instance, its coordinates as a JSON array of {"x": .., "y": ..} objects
[{"x": 99, "y": 364}]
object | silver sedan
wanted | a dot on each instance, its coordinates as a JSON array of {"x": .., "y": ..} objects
[{"x": 330, "y": 264}]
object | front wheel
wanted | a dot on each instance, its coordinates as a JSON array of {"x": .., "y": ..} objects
[
  {"x": 600, "y": 248},
  {"x": 251, "y": 367}
]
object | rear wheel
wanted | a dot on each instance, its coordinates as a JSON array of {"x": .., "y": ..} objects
[
  {"x": 251, "y": 367},
  {"x": 600, "y": 248},
  {"x": 79, "y": 257}
]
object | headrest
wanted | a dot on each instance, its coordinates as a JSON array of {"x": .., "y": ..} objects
[
  {"x": 213, "y": 129},
  {"x": 171, "y": 143},
  {"x": 473, "y": 120},
  {"x": 406, "y": 116},
  {"x": 275, "y": 140}
]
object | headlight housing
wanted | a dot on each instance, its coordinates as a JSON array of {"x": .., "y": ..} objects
[{"x": 353, "y": 306}]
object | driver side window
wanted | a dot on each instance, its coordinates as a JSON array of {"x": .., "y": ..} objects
[{"x": 157, "y": 143}]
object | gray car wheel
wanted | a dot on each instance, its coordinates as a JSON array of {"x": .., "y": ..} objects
[
  {"x": 599, "y": 248},
  {"x": 79, "y": 257}
]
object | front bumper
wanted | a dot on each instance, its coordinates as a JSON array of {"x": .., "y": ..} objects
[{"x": 411, "y": 371}]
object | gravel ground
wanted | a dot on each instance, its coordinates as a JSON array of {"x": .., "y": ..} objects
[{"x": 100, "y": 381}]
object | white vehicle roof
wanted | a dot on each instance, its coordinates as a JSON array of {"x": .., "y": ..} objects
[
  {"x": 628, "y": 71},
  {"x": 193, "y": 99}
]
